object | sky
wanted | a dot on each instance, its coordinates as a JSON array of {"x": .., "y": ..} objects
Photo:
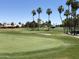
[{"x": 20, "y": 10}]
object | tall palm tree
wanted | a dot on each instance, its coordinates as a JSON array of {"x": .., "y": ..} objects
[
  {"x": 67, "y": 23},
  {"x": 33, "y": 13},
  {"x": 33, "y": 25},
  {"x": 49, "y": 11},
  {"x": 39, "y": 11},
  {"x": 19, "y": 23},
  {"x": 67, "y": 13},
  {"x": 60, "y": 10},
  {"x": 12, "y": 24}
]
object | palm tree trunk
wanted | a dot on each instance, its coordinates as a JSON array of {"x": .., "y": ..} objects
[
  {"x": 38, "y": 22},
  {"x": 74, "y": 26},
  {"x": 67, "y": 25},
  {"x": 48, "y": 24},
  {"x": 39, "y": 16},
  {"x": 75, "y": 23},
  {"x": 61, "y": 18},
  {"x": 48, "y": 17},
  {"x": 62, "y": 22},
  {"x": 33, "y": 26},
  {"x": 33, "y": 17},
  {"x": 69, "y": 8},
  {"x": 70, "y": 28}
]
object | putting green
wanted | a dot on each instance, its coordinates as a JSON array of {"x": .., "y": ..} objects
[{"x": 10, "y": 43}]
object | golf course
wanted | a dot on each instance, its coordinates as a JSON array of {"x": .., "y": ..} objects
[
  {"x": 39, "y": 29},
  {"x": 25, "y": 44}
]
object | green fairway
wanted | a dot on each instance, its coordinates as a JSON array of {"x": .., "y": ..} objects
[
  {"x": 24, "y": 44},
  {"x": 16, "y": 43}
]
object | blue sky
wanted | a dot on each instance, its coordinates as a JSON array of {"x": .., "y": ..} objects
[{"x": 20, "y": 10}]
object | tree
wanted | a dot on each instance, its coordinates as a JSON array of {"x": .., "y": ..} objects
[
  {"x": 66, "y": 24},
  {"x": 49, "y": 24},
  {"x": 0, "y": 24},
  {"x": 39, "y": 11},
  {"x": 12, "y": 23},
  {"x": 27, "y": 24},
  {"x": 71, "y": 22},
  {"x": 33, "y": 13},
  {"x": 67, "y": 13},
  {"x": 60, "y": 10},
  {"x": 33, "y": 25},
  {"x": 19, "y": 23},
  {"x": 49, "y": 11}
]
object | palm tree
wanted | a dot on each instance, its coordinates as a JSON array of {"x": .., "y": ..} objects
[
  {"x": 39, "y": 11},
  {"x": 19, "y": 23},
  {"x": 68, "y": 23},
  {"x": 67, "y": 13},
  {"x": 60, "y": 10},
  {"x": 12, "y": 24},
  {"x": 33, "y": 25},
  {"x": 33, "y": 13},
  {"x": 65, "y": 24},
  {"x": 49, "y": 11}
]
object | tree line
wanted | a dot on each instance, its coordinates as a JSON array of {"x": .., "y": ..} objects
[
  {"x": 71, "y": 22},
  {"x": 33, "y": 24}
]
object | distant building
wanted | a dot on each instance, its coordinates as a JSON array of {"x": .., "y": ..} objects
[{"x": 5, "y": 25}]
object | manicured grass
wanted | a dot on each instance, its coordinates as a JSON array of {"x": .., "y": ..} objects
[{"x": 25, "y": 44}]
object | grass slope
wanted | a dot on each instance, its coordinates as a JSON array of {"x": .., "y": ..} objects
[{"x": 23, "y": 44}]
